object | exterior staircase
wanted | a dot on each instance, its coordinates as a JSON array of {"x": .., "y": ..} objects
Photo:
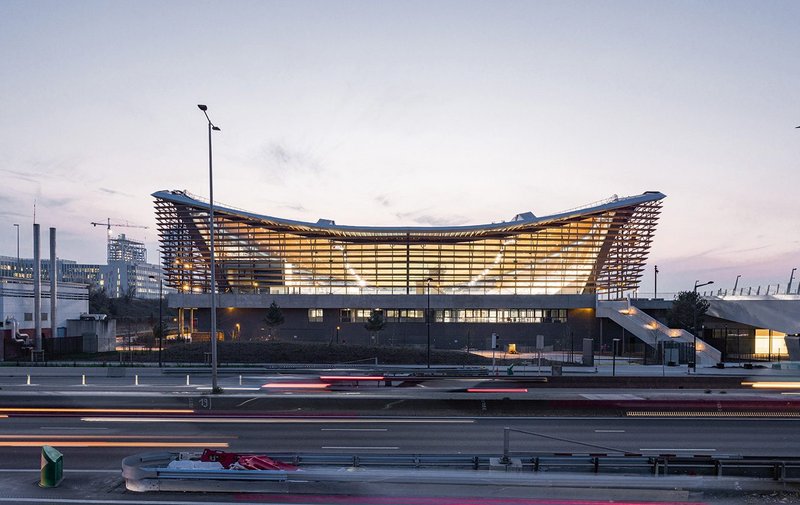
[{"x": 651, "y": 332}]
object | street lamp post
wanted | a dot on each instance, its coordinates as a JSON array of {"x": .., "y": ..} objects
[
  {"x": 337, "y": 334},
  {"x": 697, "y": 284},
  {"x": 655, "y": 282},
  {"x": 160, "y": 316},
  {"x": 736, "y": 284},
  {"x": 213, "y": 287},
  {"x": 614, "y": 343},
  {"x": 428, "y": 321},
  {"x": 17, "y": 226},
  {"x": 788, "y": 286}
]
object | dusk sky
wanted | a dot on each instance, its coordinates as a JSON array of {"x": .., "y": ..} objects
[{"x": 410, "y": 113}]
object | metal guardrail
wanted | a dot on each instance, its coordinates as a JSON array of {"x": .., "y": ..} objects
[{"x": 152, "y": 467}]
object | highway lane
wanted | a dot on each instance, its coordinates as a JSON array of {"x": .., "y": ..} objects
[{"x": 99, "y": 441}]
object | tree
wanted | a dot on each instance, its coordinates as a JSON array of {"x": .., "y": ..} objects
[
  {"x": 375, "y": 324},
  {"x": 99, "y": 302},
  {"x": 274, "y": 317},
  {"x": 688, "y": 309}
]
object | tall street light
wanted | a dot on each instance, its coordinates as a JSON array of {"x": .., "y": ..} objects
[
  {"x": 213, "y": 288},
  {"x": 655, "y": 282},
  {"x": 17, "y": 226},
  {"x": 428, "y": 320},
  {"x": 697, "y": 284},
  {"x": 160, "y": 316},
  {"x": 736, "y": 284}
]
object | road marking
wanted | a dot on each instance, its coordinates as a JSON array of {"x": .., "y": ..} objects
[
  {"x": 62, "y": 428},
  {"x": 356, "y": 448},
  {"x": 611, "y": 396},
  {"x": 714, "y": 413},
  {"x": 609, "y": 431},
  {"x": 354, "y": 429},
  {"x": 248, "y": 401},
  {"x": 679, "y": 450}
]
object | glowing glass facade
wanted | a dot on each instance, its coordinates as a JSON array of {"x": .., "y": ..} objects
[{"x": 601, "y": 248}]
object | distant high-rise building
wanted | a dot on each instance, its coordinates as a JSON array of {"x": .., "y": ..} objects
[{"x": 127, "y": 250}]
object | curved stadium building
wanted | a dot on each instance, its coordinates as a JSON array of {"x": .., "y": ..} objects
[{"x": 532, "y": 275}]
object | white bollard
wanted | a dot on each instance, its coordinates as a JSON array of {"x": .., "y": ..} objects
[
  {"x": 29, "y": 380},
  {"x": 83, "y": 380},
  {"x": 187, "y": 379},
  {"x": 137, "y": 379},
  {"x": 240, "y": 380}
]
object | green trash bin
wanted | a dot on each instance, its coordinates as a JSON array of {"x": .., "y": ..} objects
[{"x": 52, "y": 467}]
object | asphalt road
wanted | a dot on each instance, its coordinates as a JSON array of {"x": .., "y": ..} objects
[
  {"x": 101, "y": 441},
  {"x": 163, "y": 412},
  {"x": 94, "y": 443}
]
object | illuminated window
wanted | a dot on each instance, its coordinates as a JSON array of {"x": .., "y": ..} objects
[{"x": 314, "y": 315}]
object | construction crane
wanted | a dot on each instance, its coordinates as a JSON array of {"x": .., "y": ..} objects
[{"x": 108, "y": 225}]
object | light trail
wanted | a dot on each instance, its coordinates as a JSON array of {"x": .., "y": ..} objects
[
  {"x": 294, "y": 385},
  {"x": 285, "y": 499},
  {"x": 81, "y": 443},
  {"x": 773, "y": 385},
  {"x": 351, "y": 377},
  {"x": 60, "y": 410},
  {"x": 105, "y": 437},
  {"x": 250, "y": 420}
]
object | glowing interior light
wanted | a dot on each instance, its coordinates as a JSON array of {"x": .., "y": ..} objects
[{"x": 294, "y": 385}]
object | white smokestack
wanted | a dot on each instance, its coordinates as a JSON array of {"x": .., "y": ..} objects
[
  {"x": 53, "y": 284},
  {"x": 37, "y": 289}
]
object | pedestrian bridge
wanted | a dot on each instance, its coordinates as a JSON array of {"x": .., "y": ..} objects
[{"x": 651, "y": 331}]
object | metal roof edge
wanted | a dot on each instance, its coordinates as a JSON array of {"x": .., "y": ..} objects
[{"x": 177, "y": 196}]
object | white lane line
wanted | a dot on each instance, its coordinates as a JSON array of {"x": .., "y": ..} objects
[
  {"x": 609, "y": 431},
  {"x": 355, "y": 448},
  {"x": 611, "y": 396},
  {"x": 354, "y": 429},
  {"x": 62, "y": 428},
  {"x": 679, "y": 450}
]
